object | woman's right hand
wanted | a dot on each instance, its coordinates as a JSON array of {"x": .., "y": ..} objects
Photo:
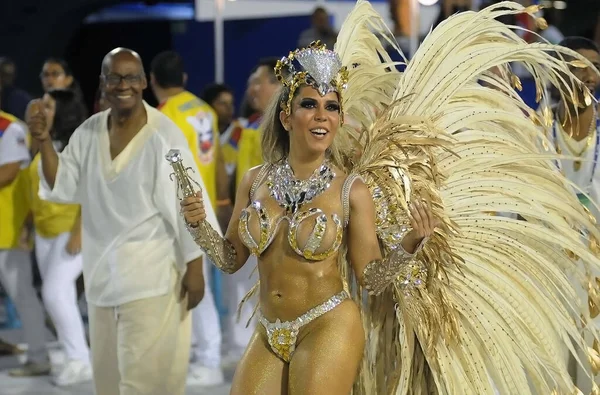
[{"x": 192, "y": 209}]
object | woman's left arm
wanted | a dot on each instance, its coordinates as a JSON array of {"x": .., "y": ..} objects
[{"x": 373, "y": 271}]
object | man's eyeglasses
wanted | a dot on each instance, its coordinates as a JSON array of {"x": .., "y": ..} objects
[{"x": 115, "y": 79}]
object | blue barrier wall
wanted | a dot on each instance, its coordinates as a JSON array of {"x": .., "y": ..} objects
[{"x": 246, "y": 41}]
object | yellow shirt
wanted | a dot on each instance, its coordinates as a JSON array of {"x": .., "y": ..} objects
[
  {"x": 249, "y": 153},
  {"x": 229, "y": 142},
  {"x": 50, "y": 219},
  {"x": 198, "y": 122},
  {"x": 14, "y": 198}
]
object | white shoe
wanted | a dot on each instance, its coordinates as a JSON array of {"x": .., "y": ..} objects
[
  {"x": 204, "y": 377},
  {"x": 73, "y": 372}
]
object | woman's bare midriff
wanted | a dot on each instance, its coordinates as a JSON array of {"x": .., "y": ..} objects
[{"x": 291, "y": 285}]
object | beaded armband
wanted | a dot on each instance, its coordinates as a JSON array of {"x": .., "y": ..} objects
[
  {"x": 380, "y": 273},
  {"x": 220, "y": 250}
]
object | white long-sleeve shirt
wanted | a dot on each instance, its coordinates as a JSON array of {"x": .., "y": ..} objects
[{"x": 133, "y": 233}]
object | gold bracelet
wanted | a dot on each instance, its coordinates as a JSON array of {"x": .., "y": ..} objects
[{"x": 223, "y": 202}]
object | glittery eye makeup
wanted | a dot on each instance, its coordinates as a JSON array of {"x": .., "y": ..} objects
[
  {"x": 308, "y": 103},
  {"x": 312, "y": 103}
]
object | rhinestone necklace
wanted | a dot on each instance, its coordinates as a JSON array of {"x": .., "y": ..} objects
[{"x": 290, "y": 192}]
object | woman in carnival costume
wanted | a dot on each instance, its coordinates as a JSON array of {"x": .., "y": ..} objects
[{"x": 460, "y": 300}]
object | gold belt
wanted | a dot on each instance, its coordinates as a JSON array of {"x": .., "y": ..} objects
[{"x": 282, "y": 336}]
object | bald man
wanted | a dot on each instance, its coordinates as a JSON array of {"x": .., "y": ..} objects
[{"x": 142, "y": 270}]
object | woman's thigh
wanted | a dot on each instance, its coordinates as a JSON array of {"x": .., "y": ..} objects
[
  {"x": 328, "y": 356},
  {"x": 260, "y": 372}
]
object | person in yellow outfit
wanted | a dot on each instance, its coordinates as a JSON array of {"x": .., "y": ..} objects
[
  {"x": 262, "y": 86},
  {"x": 58, "y": 244},
  {"x": 57, "y": 75},
  {"x": 199, "y": 124},
  {"x": 220, "y": 98},
  {"x": 16, "y": 275},
  {"x": 196, "y": 119}
]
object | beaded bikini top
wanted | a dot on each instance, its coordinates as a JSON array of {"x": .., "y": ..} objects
[{"x": 287, "y": 199}]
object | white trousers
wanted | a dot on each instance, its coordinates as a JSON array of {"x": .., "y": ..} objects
[
  {"x": 206, "y": 327},
  {"x": 17, "y": 280},
  {"x": 141, "y": 347},
  {"x": 235, "y": 287},
  {"x": 59, "y": 271}
]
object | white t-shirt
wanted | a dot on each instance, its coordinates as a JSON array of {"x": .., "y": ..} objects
[
  {"x": 13, "y": 145},
  {"x": 133, "y": 233}
]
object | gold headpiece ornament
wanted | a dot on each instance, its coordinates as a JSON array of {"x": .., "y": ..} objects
[{"x": 315, "y": 66}]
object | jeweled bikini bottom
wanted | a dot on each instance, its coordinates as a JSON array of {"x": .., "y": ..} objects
[{"x": 282, "y": 336}]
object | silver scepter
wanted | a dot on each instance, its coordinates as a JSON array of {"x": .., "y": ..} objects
[
  {"x": 185, "y": 188},
  {"x": 185, "y": 183},
  {"x": 210, "y": 240}
]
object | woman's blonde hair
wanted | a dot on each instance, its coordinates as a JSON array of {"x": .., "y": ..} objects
[{"x": 275, "y": 140}]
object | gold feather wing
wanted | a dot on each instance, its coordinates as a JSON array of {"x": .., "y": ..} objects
[
  {"x": 490, "y": 303},
  {"x": 361, "y": 47}
]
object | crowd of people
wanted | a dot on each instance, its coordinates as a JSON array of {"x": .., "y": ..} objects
[{"x": 91, "y": 197}]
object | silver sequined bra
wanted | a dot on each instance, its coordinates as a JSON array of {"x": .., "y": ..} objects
[{"x": 322, "y": 242}]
